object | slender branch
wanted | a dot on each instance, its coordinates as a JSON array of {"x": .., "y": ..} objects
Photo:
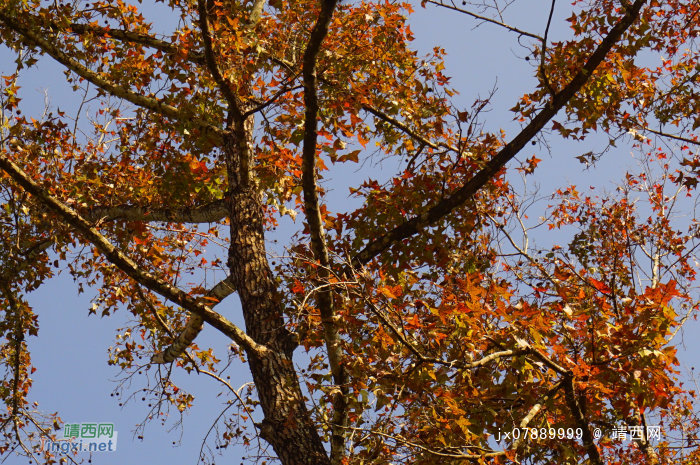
[
  {"x": 400, "y": 335},
  {"x": 134, "y": 37},
  {"x": 33, "y": 252},
  {"x": 466, "y": 192},
  {"x": 522, "y": 251},
  {"x": 398, "y": 124},
  {"x": 671, "y": 136},
  {"x": 273, "y": 99},
  {"x": 425, "y": 359},
  {"x": 401, "y": 440},
  {"x": 111, "y": 88},
  {"x": 180, "y": 342},
  {"x": 231, "y": 99},
  {"x": 163, "y": 325},
  {"x": 45, "y": 432},
  {"x": 543, "y": 73},
  {"x": 318, "y": 242},
  {"x": 208, "y": 213},
  {"x": 128, "y": 266},
  {"x": 551, "y": 363},
  {"x": 374, "y": 111},
  {"x": 485, "y": 18}
]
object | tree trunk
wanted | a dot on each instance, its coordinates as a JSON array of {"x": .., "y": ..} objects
[{"x": 287, "y": 425}]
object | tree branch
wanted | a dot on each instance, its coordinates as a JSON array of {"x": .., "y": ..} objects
[
  {"x": 136, "y": 38},
  {"x": 324, "y": 297},
  {"x": 580, "y": 419},
  {"x": 194, "y": 324},
  {"x": 644, "y": 445},
  {"x": 128, "y": 266},
  {"x": 534, "y": 411},
  {"x": 231, "y": 99},
  {"x": 460, "y": 455},
  {"x": 255, "y": 13},
  {"x": 425, "y": 359},
  {"x": 489, "y": 454},
  {"x": 670, "y": 136},
  {"x": 484, "y": 18},
  {"x": 208, "y": 213},
  {"x": 550, "y": 363},
  {"x": 273, "y": 98},
  {"x": 113, "y": 89},
  {"x": 33, "y": 252},
  {"x": 543, "y": 57},
  {"x": 398, "y": 124},
  {"x": 466, "y": 192}
]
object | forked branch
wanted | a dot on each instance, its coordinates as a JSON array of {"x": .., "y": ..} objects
[{"x": 580, "y": 420}]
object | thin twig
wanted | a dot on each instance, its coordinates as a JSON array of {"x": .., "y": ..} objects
[{"x": 488, "y": 20}]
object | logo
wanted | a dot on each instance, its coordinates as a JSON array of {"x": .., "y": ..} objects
[{"x": 83, "y": 437}]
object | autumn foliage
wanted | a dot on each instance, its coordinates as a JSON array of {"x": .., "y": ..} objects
[{"x": 442, "y": 312}]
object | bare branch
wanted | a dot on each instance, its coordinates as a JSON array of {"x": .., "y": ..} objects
[
  {"x": 484, "y": 18},
  {"x": 543, "y": 57},
  {"x": 523, "y": 251},
  {"x": 671, "y": 136},
  {"x": 401, "y": 440}
]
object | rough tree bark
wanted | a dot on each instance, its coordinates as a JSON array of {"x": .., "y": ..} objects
[{"x": 287, "y": 426}]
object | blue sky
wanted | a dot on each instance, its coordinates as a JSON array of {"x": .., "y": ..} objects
[{"x": 70, "y": 354}]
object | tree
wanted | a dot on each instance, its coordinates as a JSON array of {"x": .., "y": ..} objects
[{"x": 430, "y": 329}]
